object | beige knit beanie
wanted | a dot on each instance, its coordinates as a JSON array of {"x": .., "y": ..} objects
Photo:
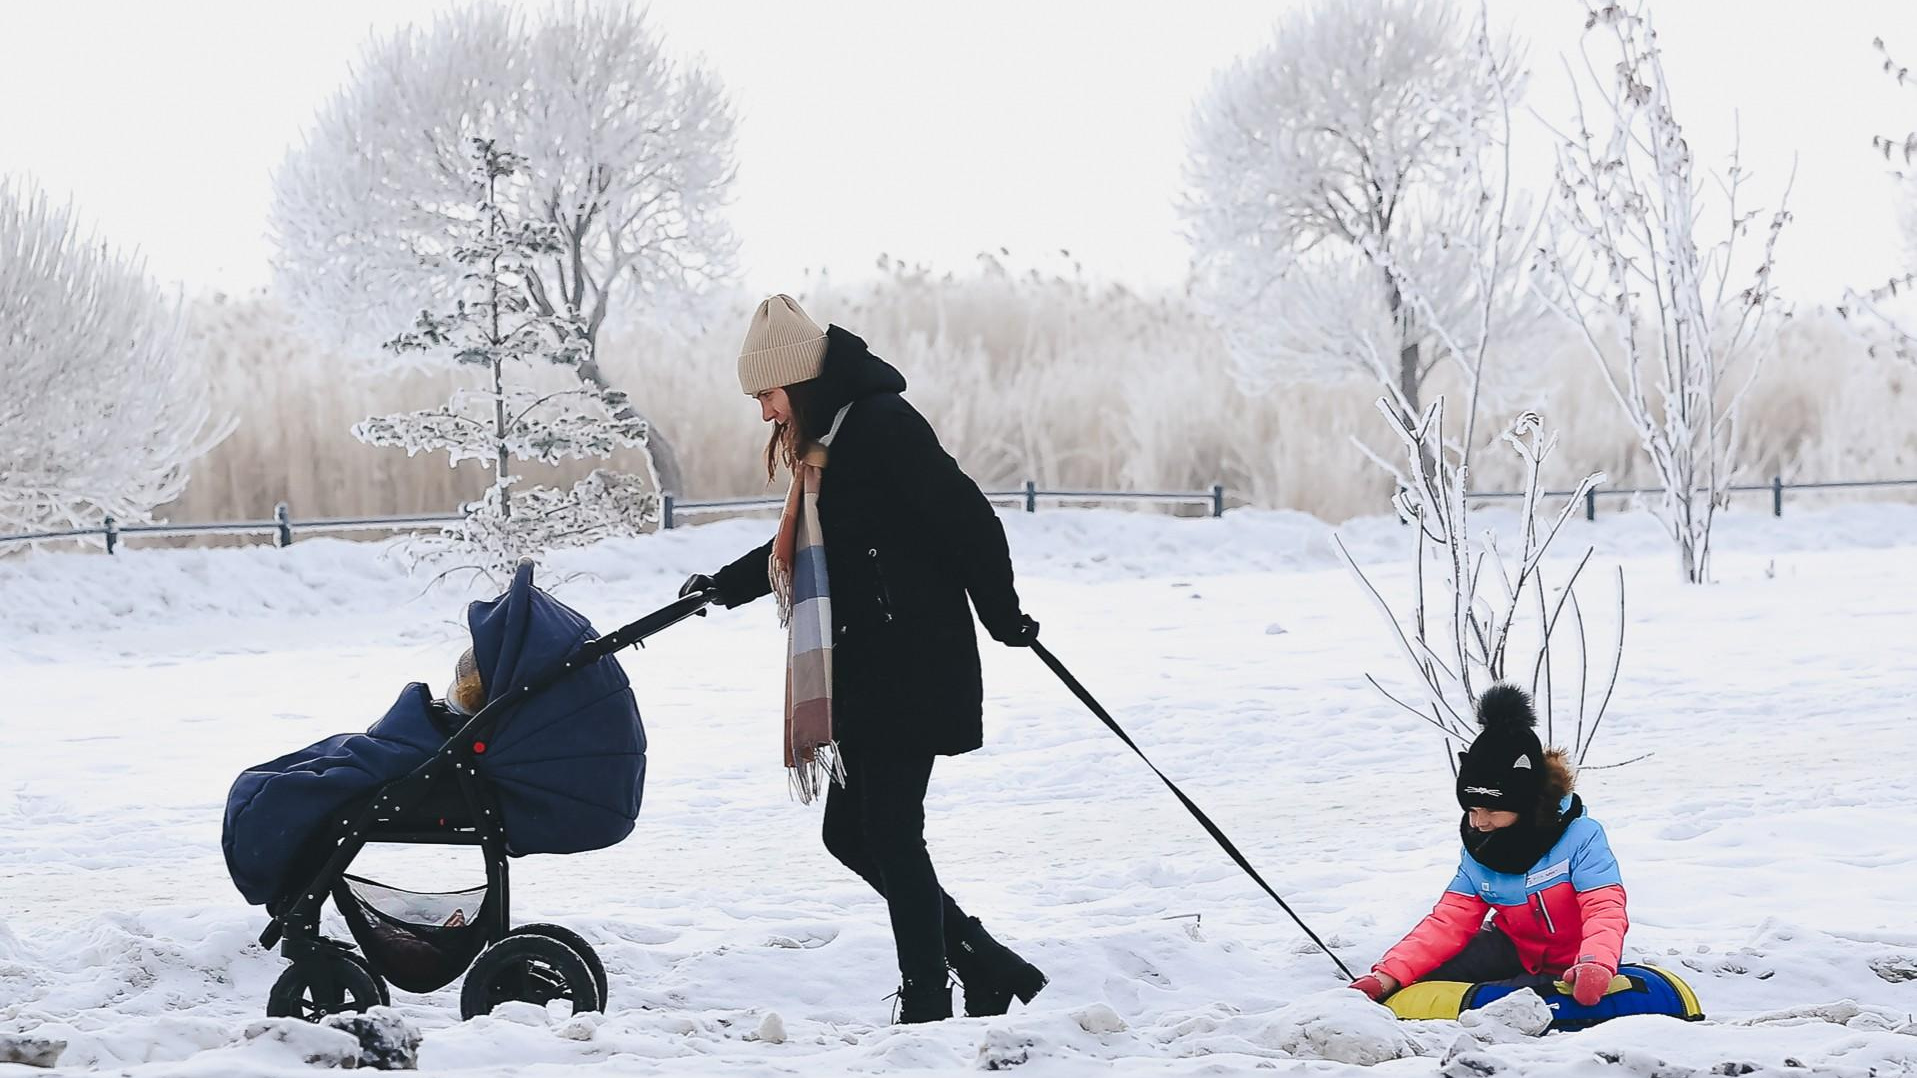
[{"x": 782, "y": 346}]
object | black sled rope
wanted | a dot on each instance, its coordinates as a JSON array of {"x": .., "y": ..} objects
[{"x": 1197, "y": 813}]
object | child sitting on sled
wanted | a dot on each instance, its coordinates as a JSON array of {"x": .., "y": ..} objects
[{"x": 1537, "y": 897}]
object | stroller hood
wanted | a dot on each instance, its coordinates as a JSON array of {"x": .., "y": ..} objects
[{"x": 567, "y": 766}]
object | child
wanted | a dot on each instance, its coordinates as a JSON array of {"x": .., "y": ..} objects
[
  {"x": 467, "y": 693},
  {"x": 1532, "y": 860}
]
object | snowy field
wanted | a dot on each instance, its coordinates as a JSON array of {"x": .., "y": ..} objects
[{"x": 1769, "y": 844}]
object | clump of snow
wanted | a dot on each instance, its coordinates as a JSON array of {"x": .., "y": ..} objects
[
  {"x": 583, "y": 1026},
  {"x": 1847, "y": 1013},
  {"x": 30, "y": 1051},
  {"x": 304, "y": 1042},
  {"x": 522, "y": 1013},
  {"x": 1099, "y": 1018},
  {"x": 772, "y": 1028},
  {"x": 1005, "y": 1048},
  {"x": 1512, "y": 1017},
  {"x": 1342, "y": 1026},
  {"x": 387, "y": 1041}
]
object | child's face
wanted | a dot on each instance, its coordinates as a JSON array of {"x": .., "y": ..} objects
[{"x": 1484, "y": 819}]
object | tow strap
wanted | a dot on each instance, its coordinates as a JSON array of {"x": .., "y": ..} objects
[{"x": 1197, "y": 813}]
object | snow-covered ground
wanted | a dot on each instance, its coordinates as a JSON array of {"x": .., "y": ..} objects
[{"x": 1769, "y": 844}]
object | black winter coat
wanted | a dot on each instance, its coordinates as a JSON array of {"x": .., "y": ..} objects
[{"x": 908, "y": 536}]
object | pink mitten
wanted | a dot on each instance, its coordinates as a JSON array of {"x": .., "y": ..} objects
[
  {"x": 1371, "y": 986},
  {"x": 1589, "y": 980}
]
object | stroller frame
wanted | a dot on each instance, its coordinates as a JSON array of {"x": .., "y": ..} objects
[{"x": 387, "y": 817}]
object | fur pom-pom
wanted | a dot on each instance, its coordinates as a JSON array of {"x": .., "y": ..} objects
[{"x": 1505, "y": 707}]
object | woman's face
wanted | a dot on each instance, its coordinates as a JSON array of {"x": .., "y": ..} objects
[
  {"x": 775, "y": 406},
  {"x": 1484, "y": 819}
]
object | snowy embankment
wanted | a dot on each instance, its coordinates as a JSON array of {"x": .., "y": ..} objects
[{"x": 1767, "y": 843}]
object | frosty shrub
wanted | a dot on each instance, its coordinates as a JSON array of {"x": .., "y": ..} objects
[
  {"x": 627, "y": 159},
  {"x": 1678, "y": 325},
  {"x": 1460, "y": 634},
  {"x": 101, "y": 412},
  {"x": 491, "y": 325}
]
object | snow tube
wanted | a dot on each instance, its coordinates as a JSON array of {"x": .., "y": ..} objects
[{"x": 1637, "y": 989}]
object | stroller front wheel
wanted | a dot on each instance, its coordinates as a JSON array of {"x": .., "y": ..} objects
[
  {"x": 528, "y": 967},
  {"x": 325, "y": 983}
]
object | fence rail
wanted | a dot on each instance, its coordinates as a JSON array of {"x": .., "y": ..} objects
[
  {"x": 282, "y": 526},
  {"x": 1777, "y": 487}
]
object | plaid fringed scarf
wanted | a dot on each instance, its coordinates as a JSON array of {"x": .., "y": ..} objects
[{"x": 799, "y": 580}]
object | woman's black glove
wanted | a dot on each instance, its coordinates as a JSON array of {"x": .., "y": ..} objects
[
  {"x": 1022, "y": 633},
  {"x": 697, "y": 583}
]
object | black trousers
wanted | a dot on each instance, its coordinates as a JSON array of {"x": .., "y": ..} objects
[
  {"x": 1490, "y": 958},
  {"x": 875, "y": 826}
]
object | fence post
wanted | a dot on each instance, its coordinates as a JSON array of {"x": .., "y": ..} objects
[
  {"x": 284, "y": 520},
  {"x": 1031, "y": 495},
  {"x": 665, "y": 512},
  {"x": 112, "y": 534},
  {"x": 1218, "y": 499},
  {"x": 1590, "y": 504},
  {"x": 1777, "y": 495}
]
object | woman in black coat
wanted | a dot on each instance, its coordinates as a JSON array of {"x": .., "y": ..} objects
[{"x": 908, "y": 538}]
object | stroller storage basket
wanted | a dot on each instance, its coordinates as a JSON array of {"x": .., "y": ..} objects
[{"x": 420, "y": 941}]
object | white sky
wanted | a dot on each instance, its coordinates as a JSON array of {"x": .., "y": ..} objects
[{"x": 927, "y": 131}]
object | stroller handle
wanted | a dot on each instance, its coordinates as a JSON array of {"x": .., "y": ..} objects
[{"x": 658, "y": 621}]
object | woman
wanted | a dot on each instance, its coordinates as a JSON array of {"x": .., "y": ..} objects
[{"x": 883, "y": 667}]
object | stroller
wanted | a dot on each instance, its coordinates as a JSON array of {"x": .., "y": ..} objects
[{"x": 554, "y": 762}]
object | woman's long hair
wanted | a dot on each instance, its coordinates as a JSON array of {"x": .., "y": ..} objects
[{"x": 790, "y": 438}]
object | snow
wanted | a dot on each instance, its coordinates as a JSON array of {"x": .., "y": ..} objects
[{"x": 1764, "y": 842}]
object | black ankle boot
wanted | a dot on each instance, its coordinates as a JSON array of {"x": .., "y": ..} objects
[
  {"x": 992, "y": 975},
  {"x": 923, "y": 1000}
]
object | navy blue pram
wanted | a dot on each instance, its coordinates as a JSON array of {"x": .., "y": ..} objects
[{"x": 554, "y": 763}]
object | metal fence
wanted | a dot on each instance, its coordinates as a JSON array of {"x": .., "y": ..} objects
[
  {"x": 1776, "y": 487},
  {"x": 282, "y": 527}
]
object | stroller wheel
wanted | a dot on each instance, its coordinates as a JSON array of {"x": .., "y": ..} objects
[
  {"x": 528, "y": 968},
  {"x": 325, "y": 983},
  {"x": 578, "y": 943}
]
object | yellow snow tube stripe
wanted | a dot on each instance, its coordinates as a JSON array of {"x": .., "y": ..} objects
[
  {"x": 1693, "y": 1010},
  {"x": 1429, "y": 999}
]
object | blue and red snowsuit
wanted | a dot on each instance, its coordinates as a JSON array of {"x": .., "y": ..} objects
[{"x": 1568, "y": 908}]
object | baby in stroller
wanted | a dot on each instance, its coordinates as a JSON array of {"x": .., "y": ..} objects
[{"x": 537, "y": 748}]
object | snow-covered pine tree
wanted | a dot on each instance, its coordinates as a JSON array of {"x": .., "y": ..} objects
[
  {"x": 628, "y": 153},
  {"x": 493, "y": 325}
]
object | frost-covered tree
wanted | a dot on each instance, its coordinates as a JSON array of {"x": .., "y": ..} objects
[
  {"x": 492, "y": 323},
  {"x": 1324, "y": 185},
  {"x": 628, "y": 157},
  {"x": 1678, "y": 324},
  {"x": 1895, "y": 330},
  {"x": 101, "y": 412}
]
